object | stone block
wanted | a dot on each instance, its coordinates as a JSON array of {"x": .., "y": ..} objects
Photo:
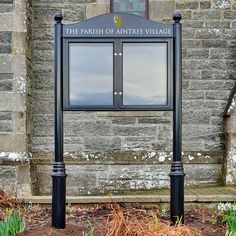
[
  {"x": 8, "y": 180},
  {"x": 165, "y": 132},
  {"x": 139, "y": 138},
  {"x": 186, "y": 14},
  {"x": 96, "y": 9},
  {"x": 209, "y": 33},
  {"x": 192, "y": 24},
  {"x": 206, "y": 15},
  {"x": 156, "y": 120},
  {"x": 23, "y": 174},
  {"x": 217, "y": 121},
  {"x": 211, "y": 84},
  {"x": 207, "y": 64},
  {"x": 197, "y": 53},
  {"x": 161, "y": 9},
  {"x": 188, "y": 33},
  {"x": 15, "y": 102},
  {"x": 42, "y": 144},
  {"x": 43, "y": 82},
  {"x": 19, "y": 42},
  {"x": 6, "y": 76},
  {"x": 43, "y": 45},
  {"x": 75, "y": 13},
  {"x": 5, "y": 37},
  {"x": 193, "y": 94},
  {"x": 230, "y": 34},
  {"x": 205, "y": 5},
  {"x": 136, "y": 146},
  {"x": 123, "y": 120},
  {"x": 229, "y": 14},
  {"x": 218, "y": 75},
  {"x": 38, "y": 35},
  {"x": 19, "y": 122},
  {"x": 45, "y": 130},
  {"x": 186, "y": 5},
  {"x": 202, "y": 131},
  {"x": 5, "y": 48},
  {"x": 4, "y": 8},
  {"x": 134, "y": 130},
  {"x": 43, "y": 16},
  {"x": 5, "y": 115},
  {"x": 102, "y": 143},
  {"x": 217, "y": 95},
  {"x": 43, "y": 69},
  {"x": 95, "y": 128},
  {"x": 191, "y": 43},
  {"x": 218, "y": 24},
  {"x": 6, "y": 1},
  {"x": 217, "y": 43},
  {"x": 40, "y": 107},
  {"x": 78, "y": 1},
  {"x": 42, "y": 95},
  {"x": 196, "y": 116},
  {"x": 12, "y": 142},
  {"x": 5, "y": 126},
  {"x": 6, "y": 61},
  {"x": 5, "y": 85},
  {"x": 219, "y": 53},
  {"x": 221, "y": 4}
]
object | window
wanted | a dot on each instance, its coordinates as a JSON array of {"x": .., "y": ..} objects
[
  {"x": 117, "y": 74},
  {"x": 144, "y": 74},
  {"x": 91, "y": 74},
  {"x": 137, "y": 7}
]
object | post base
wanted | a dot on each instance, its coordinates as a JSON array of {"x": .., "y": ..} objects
[
  {"x": 58, "y": 195},
  {"x": 177, "y": 192}
]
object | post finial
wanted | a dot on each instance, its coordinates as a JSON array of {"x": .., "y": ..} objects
[
  {"x": 58, "y": 17},
  {"x": 177, "y": 17}
]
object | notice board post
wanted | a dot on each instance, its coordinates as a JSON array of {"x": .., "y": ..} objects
[
  {"x": 177, "y": 171},
  {"x": 59, "y": 174}
]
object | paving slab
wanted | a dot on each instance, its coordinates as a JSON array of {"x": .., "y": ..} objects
[{"x": 206, "y": 194}]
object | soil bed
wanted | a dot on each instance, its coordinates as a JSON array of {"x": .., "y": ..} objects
[
  {"x": 113, "y": 220},
  {"x": 79, "y": 218}
]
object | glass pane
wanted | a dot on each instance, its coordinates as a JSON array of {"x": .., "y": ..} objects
[
  {"x": 137, "y": 7},
  {"x": 91, "y": 74},
  {"x": 144, "y": 74}
]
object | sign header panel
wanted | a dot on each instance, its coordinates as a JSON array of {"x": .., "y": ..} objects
[{"x": 117, "y": 25}]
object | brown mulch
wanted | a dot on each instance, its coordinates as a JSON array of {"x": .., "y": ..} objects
[{"x": 113, "y": 220}]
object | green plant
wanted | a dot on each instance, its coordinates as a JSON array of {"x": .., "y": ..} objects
[
  {"x": 228, "y": 212},
  {"x": 91, "y": 230},
  {"x": 155, "y": 219},
  {"x": 12, "y": 224},
  {"x": 213, "y": 221},
  {"x": 179, "y": 220}
]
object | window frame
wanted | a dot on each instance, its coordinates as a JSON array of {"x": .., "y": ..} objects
[{"x": 117, "y": 75}]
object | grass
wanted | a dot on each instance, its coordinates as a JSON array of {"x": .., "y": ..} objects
[{"x": 90, "y": 232}]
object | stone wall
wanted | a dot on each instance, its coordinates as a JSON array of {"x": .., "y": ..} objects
[
  {"x": 14, "y": 167},
  {"x": 116, "y": 152}
]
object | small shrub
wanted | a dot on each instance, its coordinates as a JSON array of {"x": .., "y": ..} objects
[
  {"x": 12, "y": 225},
  {"x": 228, "y": 211}
]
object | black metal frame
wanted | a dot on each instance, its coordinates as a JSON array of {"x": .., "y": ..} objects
[
  {"x": 177, "y": 172},
  {"x": 146, "y": 6},
  {"x": 117, "y": 75}
]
